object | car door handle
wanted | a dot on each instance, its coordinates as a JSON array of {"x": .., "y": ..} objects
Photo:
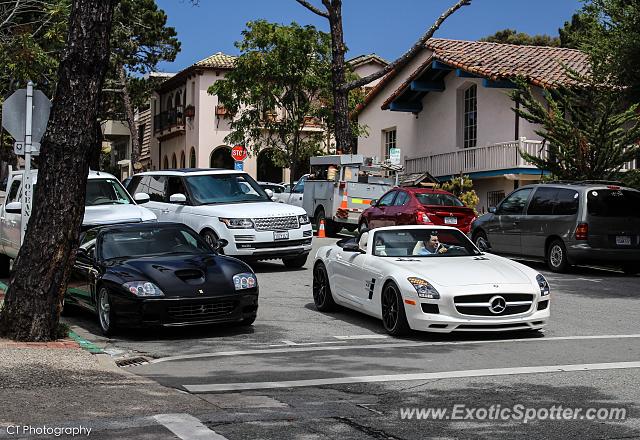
[{"x": 165, "y": 211}]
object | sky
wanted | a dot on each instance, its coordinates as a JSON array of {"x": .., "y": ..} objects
[{"x": 385, "y": 27}]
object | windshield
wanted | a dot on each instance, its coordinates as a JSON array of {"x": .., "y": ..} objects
[
  {"x": 430, "y": 243},
  {"x": 613, "y": 203},
  {"x": 166, "y": 240},
  {"x": 105, "y": 192},
  {"x": 225, "y": 188},
  {"x": 438, "y": 199}
]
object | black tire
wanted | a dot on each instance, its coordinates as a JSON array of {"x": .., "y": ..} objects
[
  {"x": 5, "y": 266},
  {"x": 631, "y": 268},
  {"x": 351, "y": 228},
  {"x": 322, "y": 296},
  {"x": 481, "y": 241},
  {"x": 556, "y": 257},
  {"x": 394, "y": 318},
  {"x": 329, "y": 225},
  {"x": 295, "y": 262},
  {"x": 212, "y": 239},
  {"x": 106, "y": 317}
]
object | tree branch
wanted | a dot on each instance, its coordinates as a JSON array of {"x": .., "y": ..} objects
[
  {"x": 404, "y": 59},
  {"x": 313, "y": 9}
]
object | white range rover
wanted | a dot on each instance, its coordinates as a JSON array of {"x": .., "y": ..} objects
[{"x": 228, "y": 205}]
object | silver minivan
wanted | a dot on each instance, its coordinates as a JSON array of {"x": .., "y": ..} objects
[{"x": 564, "y": 224}]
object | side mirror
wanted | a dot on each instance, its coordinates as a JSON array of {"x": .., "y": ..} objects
[
  {"x": 221, "y": 244},
  {"x": 83, "y": 254},
  {"x": 141, "y": 198},
  {"x": 492, "y": 209},
  {"x": 352, "y": 247},
  {"x": 269, "y": 193},
  {"x": 13, "y": 207},
  {"x": 374, "y": 202},
  {"x": 177, "y": 198}
]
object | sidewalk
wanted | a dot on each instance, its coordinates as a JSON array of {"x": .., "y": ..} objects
[{"x": 59, "y": 383}]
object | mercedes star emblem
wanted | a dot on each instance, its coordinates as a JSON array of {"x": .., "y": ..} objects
[{"x": 497, "y": 304}]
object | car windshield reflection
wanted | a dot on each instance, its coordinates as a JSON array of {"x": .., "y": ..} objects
[
  {"x": 151, "y": 242},
  {"x": 430, "y": 243}
]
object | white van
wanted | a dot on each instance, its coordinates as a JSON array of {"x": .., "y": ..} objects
[{"x": 106, "y": 202}]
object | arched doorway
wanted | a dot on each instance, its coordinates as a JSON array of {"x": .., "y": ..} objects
[
  {"x": 174, "y": 162},
  {"x": 165, "y": 162},
  {"x": 182, "y": 160},
  {"x": 221, "y": 158},
  {"x": 268, "y": 171},
  {"x": 192, "y": 158}
]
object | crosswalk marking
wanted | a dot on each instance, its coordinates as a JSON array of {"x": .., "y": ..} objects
[{"x": 187, "y": 427}]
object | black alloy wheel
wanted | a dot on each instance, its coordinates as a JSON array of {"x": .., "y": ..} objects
[
  {"x": 394, "y": 317},
  {"x": 322, "y": 296}
]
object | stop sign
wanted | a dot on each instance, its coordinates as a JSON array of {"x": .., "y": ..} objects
[{"x": 239, "y": 153}]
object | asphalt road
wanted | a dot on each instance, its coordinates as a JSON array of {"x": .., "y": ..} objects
[{"x": 299, "y": 373}]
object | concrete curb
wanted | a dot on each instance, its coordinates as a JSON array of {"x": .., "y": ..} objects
[{"x": 84, "y": 344}]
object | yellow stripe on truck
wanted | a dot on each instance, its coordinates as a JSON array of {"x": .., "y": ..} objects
[{"x": 360, "y": 201}]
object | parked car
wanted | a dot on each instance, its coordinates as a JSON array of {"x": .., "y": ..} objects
[
  {"x": 293, "y": 196},
  {"x": 565, "y": 224},
  {"x": 417, "y": 206},
  {"x": 230, "y": 205},
  {"x": 390, "y": 273},
  {"x": 106, "y": 202},
  {"x": 161, "y": 274},
  {"x": 277, "y": 190}
]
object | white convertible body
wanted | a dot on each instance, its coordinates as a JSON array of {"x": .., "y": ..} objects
[{"x": 457, "y": 289}]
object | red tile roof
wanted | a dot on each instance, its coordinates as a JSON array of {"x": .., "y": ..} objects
[{"x": 540, "y": 65}]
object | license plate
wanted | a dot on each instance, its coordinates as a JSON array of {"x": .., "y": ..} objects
[
  {"x": 623, "y": 240},
  {"x": 284, "y": 235},
  {"x": 450, "y": 220}
]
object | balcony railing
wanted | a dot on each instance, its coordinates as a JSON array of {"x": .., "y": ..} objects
[
  {"x": 169, "y": 118},
  {"x": 502, "y": 156}
]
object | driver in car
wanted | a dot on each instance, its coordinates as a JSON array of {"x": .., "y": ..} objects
[{"x": 430, "y": 247}]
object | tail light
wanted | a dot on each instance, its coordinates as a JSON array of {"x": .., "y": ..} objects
[
  {"x": 422, "y": 218},
  {"x": 582, "y": 231}
]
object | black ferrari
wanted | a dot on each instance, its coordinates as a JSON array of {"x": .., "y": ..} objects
[{"x": 159, "y": 274}]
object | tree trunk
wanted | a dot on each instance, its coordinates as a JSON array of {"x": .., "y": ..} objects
[
  {"x": 37, "y": 285},
  {"x": 342, "y": 131},
  {"x": 133, "y": 127}
]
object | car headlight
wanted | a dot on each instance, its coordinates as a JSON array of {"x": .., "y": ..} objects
[
  {"x": 303, "y": 219},
  {"x": 143, "y": 289},
  {"x": 544, "y": 286},
  {"x": 423, "y": 288},
  {"x": 237, "y": 223},
  {"x": 244, "y": 281}
]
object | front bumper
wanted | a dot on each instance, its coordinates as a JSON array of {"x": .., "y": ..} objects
[
  {"x": 446, "y": 318},
  {"x": 258, "y": 245},
  {"x": 178, "y": 312}
]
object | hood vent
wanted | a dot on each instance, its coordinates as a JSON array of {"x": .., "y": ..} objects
[{"x": 191, "y": 276}]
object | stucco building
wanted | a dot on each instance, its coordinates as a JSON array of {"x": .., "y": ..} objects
[{"x": 449, "y": 111}]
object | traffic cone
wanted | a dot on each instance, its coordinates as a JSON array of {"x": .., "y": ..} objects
[
  {"x": 344, "y": 204},
  {"x": 321, "y": 233}
]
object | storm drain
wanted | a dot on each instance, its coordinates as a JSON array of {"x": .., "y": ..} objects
[{"x": 132, "y": 362}]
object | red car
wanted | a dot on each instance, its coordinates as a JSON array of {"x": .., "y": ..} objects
[{"x": 417, "y": 206}]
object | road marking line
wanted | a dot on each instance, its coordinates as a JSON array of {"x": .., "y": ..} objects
[
  {"x": 349, "y": 337},
  {"x": 289, "y": 343},
  {"x": 187, "y": 427},
  {"x": 305, "y": 343},
  {"x": 219, "y": 387},
  {"x": 381, "y": 346}
]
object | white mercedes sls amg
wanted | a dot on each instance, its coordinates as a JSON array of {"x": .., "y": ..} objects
[{"x": 429, "y": 278}]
